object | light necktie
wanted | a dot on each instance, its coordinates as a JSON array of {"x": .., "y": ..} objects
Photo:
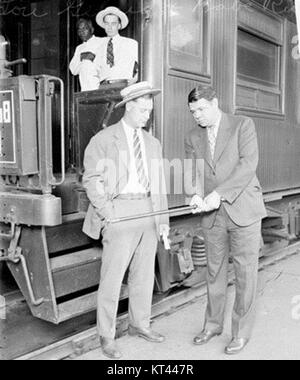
[
  {"x": 143, "y": 180},
  {"x": 212, "y": 139},
  {"x": 110, "y": 53}
]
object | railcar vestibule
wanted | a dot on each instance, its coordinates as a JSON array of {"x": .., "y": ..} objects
[{"x": 44, "y": 32}]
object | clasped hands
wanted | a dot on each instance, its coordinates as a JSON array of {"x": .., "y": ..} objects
[
  {"x": 87, "y": 56},
  {"x": 211, "y": 203}
]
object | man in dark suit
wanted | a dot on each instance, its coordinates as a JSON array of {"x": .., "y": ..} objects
[
  {"x": 233, "y": 208},
  {"x": 121, "y": 180}
]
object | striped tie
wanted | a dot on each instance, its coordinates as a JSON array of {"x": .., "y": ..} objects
[
  {"x": 110, "y": 54},
  {"x": 143, "y": 180},
  {"x": 212, "y": 138}
]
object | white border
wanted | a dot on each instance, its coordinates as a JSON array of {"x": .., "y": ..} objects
[{"x": 14, "y": 128}]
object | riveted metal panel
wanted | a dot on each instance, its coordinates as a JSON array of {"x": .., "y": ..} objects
[
  {"x": 29, "y": 209},
  {"x": 18, "y": 126},
  {"x": 7, "y": 128}
]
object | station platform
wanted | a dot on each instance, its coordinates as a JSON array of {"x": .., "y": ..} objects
[{"x": 276, "y": 335}]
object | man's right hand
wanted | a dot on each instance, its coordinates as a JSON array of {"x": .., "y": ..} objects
[
  {"x": 107, "y": 212},
  {"x": 88, "y": 56},
  {"x": 197, "y": 201}
]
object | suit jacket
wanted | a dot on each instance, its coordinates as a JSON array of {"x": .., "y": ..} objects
[
  {"x": 232, "y": 172},
  {"x": 106, "y": 164}
]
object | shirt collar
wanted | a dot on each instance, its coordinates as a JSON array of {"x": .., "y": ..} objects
[
  {"x": 115, "y": 38},
  {"x": 130, "y": 130},
  {"x": 217, "y": 124},
  {"x": 91, "y": 39}
]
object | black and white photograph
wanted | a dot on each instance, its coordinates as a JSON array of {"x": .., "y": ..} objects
[{"x": 150, "y": 183}]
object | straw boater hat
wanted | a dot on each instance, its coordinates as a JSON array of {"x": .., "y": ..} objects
[
  {"x": 136, "y": 91},
  {"x": 112, "y": 11}
]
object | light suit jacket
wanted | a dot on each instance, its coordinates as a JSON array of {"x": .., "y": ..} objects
[
  {"x": 232, "y": 172},
  {"x": 106, "y": 164}
]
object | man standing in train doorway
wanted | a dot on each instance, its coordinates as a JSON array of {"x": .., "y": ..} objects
[
  {"x": 84, "y": 62},
  {"x": 232, "y": 209},
  {"x": 120, "y": 182},
  {"x": 119, "y": 55}
]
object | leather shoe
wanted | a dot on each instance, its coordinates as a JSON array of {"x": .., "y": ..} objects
[
  {"x": 147, "y": 334},
  {"x": 236, "y": 346},
  {"x": 205, "y": 336},
  {"x": 110, "y": 349}
]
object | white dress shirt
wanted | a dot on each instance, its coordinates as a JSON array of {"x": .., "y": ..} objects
[
  {"x": 125, "y": 56},
  {"x": 212, "y": 135},
  {"x": 88, "y": 71},
  {"x": 133, "y": 186}
]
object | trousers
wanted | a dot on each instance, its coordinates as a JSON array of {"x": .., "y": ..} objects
[
  {"x": 127, "y": 245},
  {"x": 243, "y": 245}
]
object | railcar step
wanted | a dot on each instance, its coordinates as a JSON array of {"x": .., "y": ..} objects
[
  {"x": 75, "y": 259},
  {"x": 76, "y": 271},
  {"x": 82, "y": 305}
]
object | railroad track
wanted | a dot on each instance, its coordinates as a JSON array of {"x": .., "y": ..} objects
[{"x": 86, "y": 341}]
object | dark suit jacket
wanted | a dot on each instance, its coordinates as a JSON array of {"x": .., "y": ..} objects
[
  {"x": 106, "y": 164},
  {"x": 232, "y": 172}
]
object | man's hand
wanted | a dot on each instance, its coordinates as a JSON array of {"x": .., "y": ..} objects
[
  {"x": 212, "y": 202},
  {"x": 197, "y": 201},
  {"x": 164, "y": 231},
  {"x": 107, "y": 212},
  {"x": 88, "y": 56}
]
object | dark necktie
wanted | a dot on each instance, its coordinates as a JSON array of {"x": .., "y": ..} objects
[
  {"x": 110, "y": 54},
  {"x": 143, "y": 180}
]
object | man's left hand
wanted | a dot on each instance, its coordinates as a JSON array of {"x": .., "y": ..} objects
[
  {"x": 212, "y": 202},
  {"x": 164, "y": 231}
]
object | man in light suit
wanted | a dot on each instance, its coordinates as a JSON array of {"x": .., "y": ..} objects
[
  {"x": 118, "y": 59},
  {"x": 122, "y": 179},
  {"x": 233, "y": 208}
]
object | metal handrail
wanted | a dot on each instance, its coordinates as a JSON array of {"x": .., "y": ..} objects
[
  {"x": 33, "y": 300},
  {"x": 62, "y": 129}
]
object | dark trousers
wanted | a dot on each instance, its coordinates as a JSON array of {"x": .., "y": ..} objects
[{"x": 243, "y": 244}]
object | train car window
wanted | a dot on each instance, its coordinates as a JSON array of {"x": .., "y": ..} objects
[
  {"x": 258, "y": 60},
  {"x": 45, "y": 39},
  {"x": 189, "y": 36},
  {"x": 37, "y": 31}
]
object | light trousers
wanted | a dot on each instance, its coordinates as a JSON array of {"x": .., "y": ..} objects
[{"x": 126, "y": 245}]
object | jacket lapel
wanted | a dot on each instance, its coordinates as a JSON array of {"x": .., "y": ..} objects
[
  {"x": 122, "y": 145},
  {"x": 223, "y": 137},
  {"x": 203, "y": 145},
  {"x": 123, "y": 163},
  {"x": 150, "y": 151}
]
